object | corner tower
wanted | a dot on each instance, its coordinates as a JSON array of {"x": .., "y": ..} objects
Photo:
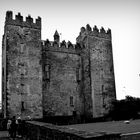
[
  {"x": 98, "y": 70},
  {"x": 22, "y": 74}
]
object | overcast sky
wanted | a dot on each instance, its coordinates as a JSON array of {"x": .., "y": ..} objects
[{"x": 68, "y": 16}]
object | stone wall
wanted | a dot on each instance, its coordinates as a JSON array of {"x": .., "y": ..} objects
[
  {"x": 86, "y": 82},
  {"x": 102, "y": 75},
  {"x": 98, "y": 70},
  {"x": 60, "y": 84},
  {"x": 4, "y": 98},
  {"x": 23, "y": 70},
  {"x": 42, "y": 131}
]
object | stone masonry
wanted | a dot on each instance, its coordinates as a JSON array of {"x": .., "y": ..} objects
[
  {"x": 97, "y": 54},
  {"x": 22, "y": 91},
  {"x": 53, "y": 78}
]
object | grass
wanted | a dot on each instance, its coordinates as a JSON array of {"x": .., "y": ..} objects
[{"x": 113, "y": 126}]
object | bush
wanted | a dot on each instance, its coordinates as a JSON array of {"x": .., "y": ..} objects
[{"x": 126, "y": 109}]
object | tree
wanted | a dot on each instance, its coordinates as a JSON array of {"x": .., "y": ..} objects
[{"x": 128, "y": 108}]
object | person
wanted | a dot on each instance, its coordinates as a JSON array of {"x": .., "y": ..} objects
[
  {"x": 9, "y": 127},
  {"x": 13, "y": 128},
  {"x": 19, "y": 127}
]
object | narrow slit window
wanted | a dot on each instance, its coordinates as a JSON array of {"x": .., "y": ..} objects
[
  {"x": 22, "y": 76},
  {"x": 47, "y": 71},
  {"x": 47, "y": 68},
  {"x": 22, "y": 106},
  {"x": 21, "y": 48},
  {"x": 102, "y": 88},
  {"x": 78, "y": 74},
  {"x": 71, "y": 101}
]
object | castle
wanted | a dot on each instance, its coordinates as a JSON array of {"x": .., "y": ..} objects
[{"x": 53, "y": 78}]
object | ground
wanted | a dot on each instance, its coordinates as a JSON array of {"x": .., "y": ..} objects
[
  {"x": 114, "y": 126},
  {"x": 4, "y": 136},
  {"x": 122, "y": 127}
]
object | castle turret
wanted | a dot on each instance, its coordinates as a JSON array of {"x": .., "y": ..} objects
[
  {"x": 22, "y": 78},
  {"x": 56, "y": 37},
  {"x": 98, "y": 70},
  {"x": 18, "y": 21}
]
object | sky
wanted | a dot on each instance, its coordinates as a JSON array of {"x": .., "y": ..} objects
[{"x": 68, "y": 16}]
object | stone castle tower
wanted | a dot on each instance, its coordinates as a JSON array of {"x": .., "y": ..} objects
[
  {"x": 53, "y": 78},
  {"x": 22, "y": 72}
]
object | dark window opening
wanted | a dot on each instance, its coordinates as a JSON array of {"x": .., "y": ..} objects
[
  {"x": 47, "y": 71},
  {"x": 78, "y": 74},
  {"x": 2, "y": 71},
  {"x": 22, "y": 76},
  {"x": 47, "y": 68},
  {"x": 102, "y": 88},
  {"x": 111, "y": 69},
  {"x": 22, "y": 84},
  {"x": 21, "y": 64},
  {"x": 71, "y": 101},
  {"x": 22, "y": 106},
  {"x": 74, "y": 113}
]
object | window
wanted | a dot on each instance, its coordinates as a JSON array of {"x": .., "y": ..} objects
[
  {"x": 71, "y": 101},
  {"x": 22, "y": 76},
  {"x": 78, "y": 74},
  {"x": 22, "y": 84},
  {"x": 111, "y": 68},
  {"x": 102, "y": 88},
  {"x": 47, "y": 67},
  {"x": 21, "y": 48},
  {"x": 22, "y": 106},
  {"x": 47, "y": 72}
]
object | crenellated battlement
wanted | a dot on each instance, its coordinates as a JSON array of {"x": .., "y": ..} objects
[
  {"x": 18, "y": 21},
  {"x": 101, "y": 33},
  {"x": 64, "y": 47}
]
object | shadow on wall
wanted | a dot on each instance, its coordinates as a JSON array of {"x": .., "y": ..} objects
[{"x": 67, "y": 120}]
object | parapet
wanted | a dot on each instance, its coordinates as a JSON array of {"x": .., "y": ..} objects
[
  {"x": 18, "y": 21},
  {"x": 64, "y": 47},
  {"x": 100, "y": 33}
]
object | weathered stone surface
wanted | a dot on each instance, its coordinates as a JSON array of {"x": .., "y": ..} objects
[
  {"x": 62, "y": 84},
  {"x": 24, "y": 73},
  {"x": 102, "y": 75},
  {"x": 42, "y": 131},
  {"x": 98, "y": 71},
  {"x": 56, "y": 78}
]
